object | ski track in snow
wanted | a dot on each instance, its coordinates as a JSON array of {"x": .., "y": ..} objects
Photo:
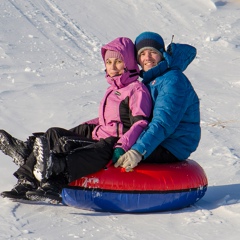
[
  {"x": 44, "y": 13},
  {"x": 71, "y": 65}
]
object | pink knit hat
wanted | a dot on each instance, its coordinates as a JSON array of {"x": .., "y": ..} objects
[{"x": 112, "y": 54}]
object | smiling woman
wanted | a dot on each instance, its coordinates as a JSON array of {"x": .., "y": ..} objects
[
  {"x": 149, "y": 58},
  {"x": 114, "y": 63},
  {"x": 60, "y": 155}
]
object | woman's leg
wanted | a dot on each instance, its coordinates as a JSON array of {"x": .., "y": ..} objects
[
  {"x": 160, "y": 155},
  {"x": 79, "y": 163},
  {"x": 26, "y": 178},
  {"x": 90, "y": 159}
]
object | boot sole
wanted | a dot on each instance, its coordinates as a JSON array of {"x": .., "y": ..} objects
[
  {"x": 13, "y": 197},
  {"x": 33, "y": 196}
]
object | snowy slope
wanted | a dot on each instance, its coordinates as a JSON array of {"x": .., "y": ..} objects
[{"x": 51, "y": 74}]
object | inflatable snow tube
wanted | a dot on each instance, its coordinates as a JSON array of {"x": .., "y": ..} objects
[{"x": 148, "y": 188}]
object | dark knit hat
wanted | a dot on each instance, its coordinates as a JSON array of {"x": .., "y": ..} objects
[
  {"x": 112, "y": 54},
  {"x": 148, "y": 40}
]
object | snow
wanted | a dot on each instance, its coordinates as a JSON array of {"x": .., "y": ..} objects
[{"x": 52, "y": 74}]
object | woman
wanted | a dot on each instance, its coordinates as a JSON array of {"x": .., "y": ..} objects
[
  {"x": 87, "y": 148},
  {"x": 174, "y": 131}
]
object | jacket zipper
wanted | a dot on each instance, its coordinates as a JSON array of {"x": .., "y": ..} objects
[{"x": 118, "y": 129}]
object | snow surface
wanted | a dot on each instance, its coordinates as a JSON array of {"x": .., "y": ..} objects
[{"x": 52, "y": 74}]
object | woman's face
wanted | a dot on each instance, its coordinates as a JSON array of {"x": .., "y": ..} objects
[
  {"x": 149, "y": 58},
  {"x": 114, "y": 67}
]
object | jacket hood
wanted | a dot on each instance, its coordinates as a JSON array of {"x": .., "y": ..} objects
[
  {"x": 125, "y": 47},
  {"x": 178, "y": 56}
]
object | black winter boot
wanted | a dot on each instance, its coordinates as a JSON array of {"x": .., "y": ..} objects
[
  {"x": 47, "y": 162},
  {"x": 16, "y": 149},
  {"x": 43, "y": 167},
  {"x": 20, "y": 189},
  {"x": 49, "y": 192}
]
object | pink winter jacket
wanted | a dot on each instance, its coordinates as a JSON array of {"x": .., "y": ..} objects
[{"x": 127, "y": 104}]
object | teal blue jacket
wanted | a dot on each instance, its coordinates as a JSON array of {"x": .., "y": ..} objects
[{"x": 175, "y": 122}]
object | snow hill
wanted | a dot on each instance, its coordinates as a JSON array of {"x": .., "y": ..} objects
[{"x": 52, "y": 74}]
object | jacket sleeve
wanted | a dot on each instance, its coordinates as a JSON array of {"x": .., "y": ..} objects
[
  {"x": 170, "y": 106},
  {"x": 140, "y": 104}
]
